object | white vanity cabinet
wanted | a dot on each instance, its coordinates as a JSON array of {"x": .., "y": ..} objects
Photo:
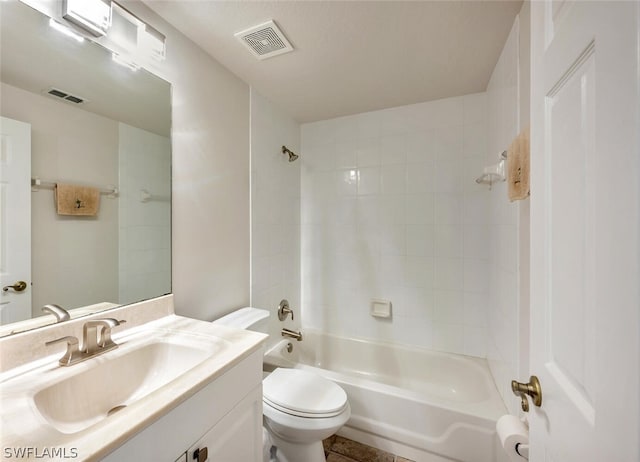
[
  {"x": 225, "y": 417},
  {"x": 233, "y": 439}
]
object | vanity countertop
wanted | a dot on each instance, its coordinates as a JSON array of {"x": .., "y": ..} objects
[{"x": 23, "y": 426}]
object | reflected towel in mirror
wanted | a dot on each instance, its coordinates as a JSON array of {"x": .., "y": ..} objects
[{"x": 76, "y": 200}]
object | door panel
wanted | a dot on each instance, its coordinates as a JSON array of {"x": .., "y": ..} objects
[
  {"x": 569, "y": 147},
  {"x": 584, "y": 231},
  {"x": 15, "y": 219}
]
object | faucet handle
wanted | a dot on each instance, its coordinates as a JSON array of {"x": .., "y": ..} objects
[
  {"x": 97, "y": 335},
  {"x": 104, "y": 335},
  {"x": 72, "y": 354},
  {"x": 104, "y": 322}
]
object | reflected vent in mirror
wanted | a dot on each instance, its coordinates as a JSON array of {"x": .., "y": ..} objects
[{"x": 65, "y": 96}]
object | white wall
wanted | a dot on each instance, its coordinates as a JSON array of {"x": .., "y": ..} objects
[
  {"x": 74, "y": 259},
  {"x": 390, "y": 210},
  {"x": 509, "y": 309},
  {"x": 275, "y": 211},
  {"x": 144, "y": 226},
  {"x": 210, "y": 190}
]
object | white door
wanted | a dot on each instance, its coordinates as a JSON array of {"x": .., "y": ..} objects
[
  {"x": 15, "y": 220},
  {"x": 585, "y": 231}
]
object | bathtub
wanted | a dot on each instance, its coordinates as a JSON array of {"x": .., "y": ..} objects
[{"x": 423, "y": 405}]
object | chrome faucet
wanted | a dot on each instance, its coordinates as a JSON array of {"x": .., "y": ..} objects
[
  {"x": 60, "y": 313},
  {"x": 96, "y": 335},
  {"x": 96, "y": 339}
]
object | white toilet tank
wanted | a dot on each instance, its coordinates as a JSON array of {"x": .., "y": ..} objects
[{"x": 254, "y": 319}]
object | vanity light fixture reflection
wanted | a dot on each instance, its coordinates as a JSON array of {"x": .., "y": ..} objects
[
  {"x": 134, "y": 37},
  {"x": 152, "y": 42},
  {"x": 94, "y": 16},
  {"x": 129, "y": 64},
  {"x": 65, "y": 30}
]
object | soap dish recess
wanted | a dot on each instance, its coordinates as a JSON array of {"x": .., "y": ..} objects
[{"x": 380, "y": 308}]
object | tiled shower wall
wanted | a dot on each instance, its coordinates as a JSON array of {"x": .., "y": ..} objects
[
  {"x": 390, "y": 210},
  {"x": 506, "y": 263},
  {"x": 275, "y": 211},
  {"x": 144, "y": 226}
]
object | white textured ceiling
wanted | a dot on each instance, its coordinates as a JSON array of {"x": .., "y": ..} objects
[{"x": 353, "y": 56}]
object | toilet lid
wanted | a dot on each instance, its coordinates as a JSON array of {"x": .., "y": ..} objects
[{"x": 303, "y": 393}]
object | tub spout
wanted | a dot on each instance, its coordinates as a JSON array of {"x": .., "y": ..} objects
[{"x": 291, "y": 334}]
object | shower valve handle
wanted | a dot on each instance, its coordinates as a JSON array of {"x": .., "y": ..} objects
[{"x": 284, "y": 310}]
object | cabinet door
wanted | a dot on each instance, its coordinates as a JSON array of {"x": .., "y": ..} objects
[{"x": 235, "y": 438}]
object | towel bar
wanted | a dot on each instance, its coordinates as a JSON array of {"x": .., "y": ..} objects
[
  {"x": 146, "y": 196},
  {"x": 37, "y": 184}
]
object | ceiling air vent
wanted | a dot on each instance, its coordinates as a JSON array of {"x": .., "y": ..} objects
[
  {"x": 65, "y": 96},
  {"x": 265, "y": 40}
]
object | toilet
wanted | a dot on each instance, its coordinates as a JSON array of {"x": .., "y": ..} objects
[{"x": 300, "y": 408}]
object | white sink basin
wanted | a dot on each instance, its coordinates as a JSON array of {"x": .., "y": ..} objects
[
  {"x": 117, "y": 380},
  {"x": 72, "y": 399},
  {"x": 97, "y": 405}
]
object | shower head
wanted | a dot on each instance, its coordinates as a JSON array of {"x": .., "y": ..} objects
[{"x": 291, "y": 155}]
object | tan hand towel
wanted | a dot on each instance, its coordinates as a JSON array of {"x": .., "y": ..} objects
[
  {"x": 76, "y": 200},
  {"x": 518, "y": 167}
]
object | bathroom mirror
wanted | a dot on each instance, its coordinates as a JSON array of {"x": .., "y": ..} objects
[{"x": 116, "y": 139}]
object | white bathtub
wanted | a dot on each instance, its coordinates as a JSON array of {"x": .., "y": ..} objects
[{"x": 423, "y": 405}]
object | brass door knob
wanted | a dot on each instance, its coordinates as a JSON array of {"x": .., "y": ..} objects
[
  {"x": 532, "y": 389},
  {"x": 18, "y": 286}
]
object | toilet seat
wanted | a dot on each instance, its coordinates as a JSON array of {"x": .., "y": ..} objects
[{"x": 303, "y": 394}]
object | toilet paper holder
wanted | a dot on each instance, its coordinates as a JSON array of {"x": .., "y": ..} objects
[
  {"x": 532, "y": 388},
  {"x": 522, "y": 450}
]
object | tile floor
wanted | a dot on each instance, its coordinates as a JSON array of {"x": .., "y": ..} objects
[{"x": 339, "y": 449}]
